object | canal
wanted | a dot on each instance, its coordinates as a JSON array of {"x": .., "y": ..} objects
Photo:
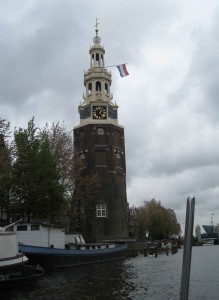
[{"x": 132, "y": 279}]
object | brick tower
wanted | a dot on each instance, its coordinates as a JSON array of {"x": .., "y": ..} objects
[{"x": 100, "y": 141}]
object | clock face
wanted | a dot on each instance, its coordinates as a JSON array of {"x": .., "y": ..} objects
[{"x": 99, "y": 112}]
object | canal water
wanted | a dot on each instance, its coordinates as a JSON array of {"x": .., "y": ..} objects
[{"x": 135, "y": 278}]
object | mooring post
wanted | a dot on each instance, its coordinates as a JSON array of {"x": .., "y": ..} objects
[
  {"x": 167, "y": 250},
  {"x": 145, "y": 252},
  {"x": 155, "y": 251},
  {"x": 187, "y": 252}
]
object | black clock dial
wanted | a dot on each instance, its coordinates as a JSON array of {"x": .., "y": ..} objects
[{"x": 99, "y": 112}]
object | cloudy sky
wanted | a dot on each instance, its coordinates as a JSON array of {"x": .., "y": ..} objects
[{"x": 168, "y": 105}]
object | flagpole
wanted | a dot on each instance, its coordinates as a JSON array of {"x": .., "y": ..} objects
[{"x": 116, "y": 65}]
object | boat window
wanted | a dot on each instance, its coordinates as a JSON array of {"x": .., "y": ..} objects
[
  {"x": 21, "y": 227},
  {"x": 35, "y": 227}
]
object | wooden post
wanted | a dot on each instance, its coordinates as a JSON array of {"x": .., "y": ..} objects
[
  {"x": 145, "y": 252},
  {"x": 167, "y": 250},
  {"x": 155, "y": 251}
]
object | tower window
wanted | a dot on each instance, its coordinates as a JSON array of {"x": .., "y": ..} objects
[
  {"x": 106, "y": 88},
  {"x": 100, "y": 131},
  {"x": 97, "y": 60},
  {"x": 89, "y": 87},
  {"x": 101, "y": 211},
  {"x": 98, "y": 86},
  {"x": 101, "y": 59},
  {"x": 118, "y": 155},
  {"x": 82, "y": 156}
]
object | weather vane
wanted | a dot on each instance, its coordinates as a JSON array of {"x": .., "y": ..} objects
[
  {"x": 97, "y": 39},
  {"x": 97, "y": 23}
]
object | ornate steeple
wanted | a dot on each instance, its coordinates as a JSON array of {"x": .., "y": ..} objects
[{"x": 97, "y": 82}]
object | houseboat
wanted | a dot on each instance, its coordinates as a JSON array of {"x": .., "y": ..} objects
[{"x": 49, "y": 246}]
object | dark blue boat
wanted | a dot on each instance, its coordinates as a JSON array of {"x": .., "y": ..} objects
[{"x": 50, "y": 258}]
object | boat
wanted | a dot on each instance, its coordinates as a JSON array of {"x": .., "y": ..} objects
[
  {"x": 49, "y": 246},
  {"x": 13, "y": 263},
  {"x": 26, "y": 275},
  {"x": 10, "y": 257},
  {"x": 50, "y": 258}
]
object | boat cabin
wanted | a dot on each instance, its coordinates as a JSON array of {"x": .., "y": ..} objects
[{"x": 40, "y": 234}]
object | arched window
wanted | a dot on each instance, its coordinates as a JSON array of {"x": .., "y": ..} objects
[
  {"x": 106, "y": 88},
  {"x": 92, "y": 60},
  {"x": 90, "y": 88},
  {"x": 101, "y": 62},
  {"x": 97, "y": 60},
  {"x": 98, "y": 86}
]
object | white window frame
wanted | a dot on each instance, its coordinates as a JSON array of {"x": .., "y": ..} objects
[{"x": 101, "y": 211}]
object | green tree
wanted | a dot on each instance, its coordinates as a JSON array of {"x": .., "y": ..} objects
[
  {"x": 5, "y": 168},
  {"x": 36, "y": 190},
  {"x": 159, "y": 222},
  {"x": 80, "y": 189},
  {"x": 61, "y": 145}
]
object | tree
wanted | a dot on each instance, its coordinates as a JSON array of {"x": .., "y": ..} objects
[
  {"x": 5, "y": 168},
  {"x": 36, "y": 190},
  {"x": 157, "y": 220},
  {"x": 61, "y": 145},
  {"x": 80, "y": 189}
]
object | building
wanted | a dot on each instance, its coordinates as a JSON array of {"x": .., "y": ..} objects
[{"x": 101, "y": 143}]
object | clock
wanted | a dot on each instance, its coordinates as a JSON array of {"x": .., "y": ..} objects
[{"x": 99, "y": 112}]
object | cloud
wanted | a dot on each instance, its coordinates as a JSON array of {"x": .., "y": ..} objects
[{"x": 168, "y": 105}]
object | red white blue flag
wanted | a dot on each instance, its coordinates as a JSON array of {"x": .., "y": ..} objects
[{"x": 122, "y": 70}]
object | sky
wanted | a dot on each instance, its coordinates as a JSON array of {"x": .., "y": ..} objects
[{"x": 168, "y": 104}]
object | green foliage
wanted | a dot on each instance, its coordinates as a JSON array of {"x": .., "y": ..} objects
[
  {"x": 36, "y": 191},
  {"x": 41, "y": 182},
  {"x": 159, "y": 222},
  {"x": 61, "y": 145},
  {"x": 5, "y": 165}
]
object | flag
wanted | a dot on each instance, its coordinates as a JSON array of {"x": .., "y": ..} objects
[{"x": 122, "y": 70}]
